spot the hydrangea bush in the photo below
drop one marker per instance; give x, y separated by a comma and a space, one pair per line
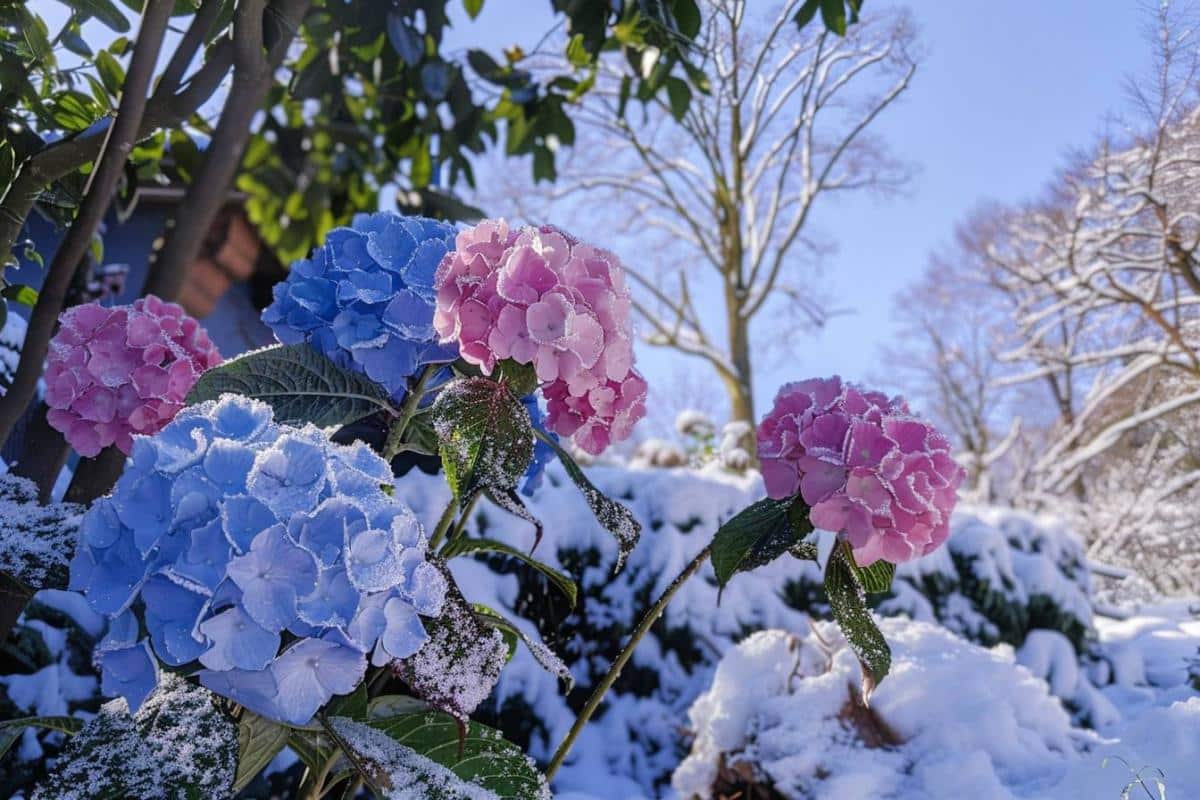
245, 552
115, 372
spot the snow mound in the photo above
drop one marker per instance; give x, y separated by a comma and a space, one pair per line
783, 712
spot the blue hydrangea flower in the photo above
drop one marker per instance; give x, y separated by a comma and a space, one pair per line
542, 452
365, 299
266, 528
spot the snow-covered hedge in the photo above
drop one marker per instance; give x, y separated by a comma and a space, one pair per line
783, 719
1004, 574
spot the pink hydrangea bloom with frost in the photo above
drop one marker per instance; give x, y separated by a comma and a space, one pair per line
869, 469
114, 372
539, 296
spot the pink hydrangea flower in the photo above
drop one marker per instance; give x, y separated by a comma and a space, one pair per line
114, 372
539, 296
867, 467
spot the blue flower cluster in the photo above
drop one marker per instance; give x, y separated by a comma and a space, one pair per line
366, 297
228, 536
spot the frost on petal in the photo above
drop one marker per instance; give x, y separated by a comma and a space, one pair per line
313, 671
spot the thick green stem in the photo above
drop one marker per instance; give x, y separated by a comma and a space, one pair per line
463, 519
395, 438
443, 525
610, 677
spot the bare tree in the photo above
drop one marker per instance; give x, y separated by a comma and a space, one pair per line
717, 200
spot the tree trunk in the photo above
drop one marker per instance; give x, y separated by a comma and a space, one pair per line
739, 386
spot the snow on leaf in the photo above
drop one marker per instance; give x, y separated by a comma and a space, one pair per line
178, 745
614, 517
758, 535
36, 541
456, 669
396, 771
482, 756
467, 545
547, 658
848, 601
485, 437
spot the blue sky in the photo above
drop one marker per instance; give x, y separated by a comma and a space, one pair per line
1005, 90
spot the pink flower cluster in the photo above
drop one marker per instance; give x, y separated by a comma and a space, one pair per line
539, 296
868, 468
114, 372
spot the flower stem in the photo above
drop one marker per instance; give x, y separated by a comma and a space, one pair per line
443, 525
619, 662
461, 525
412, 401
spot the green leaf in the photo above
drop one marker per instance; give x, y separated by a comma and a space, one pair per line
299, 383
849, 604
875, 579
103, 10
688, 18
466, 546
482, 756
20, 293
614, 517
473, 7
577, 52
259, 741
680, 97
67, 725
510, 501
543, 165
545, 657
807, 12
758, 535
485, 437
111, 73
833, 14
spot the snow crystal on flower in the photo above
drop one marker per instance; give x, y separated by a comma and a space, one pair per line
364, 299
230, 534
115, 372
36, 541
538, 296
869, 469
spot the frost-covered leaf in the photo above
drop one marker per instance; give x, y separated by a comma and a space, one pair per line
398, 770
36, 541
848, 601
482, 756
485, 437
300, 384
546, 657
259, 741
758, 535
466, 546
616, 518
457, 667
510, 501
178, 745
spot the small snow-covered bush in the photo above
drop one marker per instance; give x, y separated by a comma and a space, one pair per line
784, 715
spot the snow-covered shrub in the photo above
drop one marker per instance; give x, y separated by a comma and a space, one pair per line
658, 453
12, 336
783, 715
36, 541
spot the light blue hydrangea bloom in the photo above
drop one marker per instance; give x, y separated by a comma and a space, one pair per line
266, 528
365, 298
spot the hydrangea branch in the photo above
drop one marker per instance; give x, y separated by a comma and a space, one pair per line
118, 143
395, 438
614, 671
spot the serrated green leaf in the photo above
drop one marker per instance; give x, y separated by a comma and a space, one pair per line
833, 14
485, 758
473, 7
105, 11
299, 383
614, 517
849, 604
758, 535
466, 546
876, 578
485, 437
259, 741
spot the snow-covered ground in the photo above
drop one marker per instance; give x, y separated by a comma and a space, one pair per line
1005, 684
